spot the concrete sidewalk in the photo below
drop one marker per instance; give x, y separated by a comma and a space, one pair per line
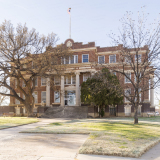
25, 146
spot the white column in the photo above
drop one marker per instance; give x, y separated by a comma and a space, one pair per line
152, 91
62, 91
77, 89
48, 92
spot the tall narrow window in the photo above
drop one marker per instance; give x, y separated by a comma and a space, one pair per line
127, 94
112, 59
35, 95
138, 57
85, 58
43, 96
23, 84
56, 97
43, 81
17, 101
127, 78
74, 59
56, 80
36, 82
101, 59
85, 77
67, 79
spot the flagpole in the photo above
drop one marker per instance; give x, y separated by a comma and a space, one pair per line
70, 28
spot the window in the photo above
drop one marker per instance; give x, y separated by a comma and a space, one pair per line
23, 84
36, 82
56, 80
56, 97
86, 76
70, 79
43, 96
24, 97
138, 57
17, 101
70, 60
128, 59
112, 59
127, 110
135, 78
35, 95
127, 78
139, 109
101, 59
43, 81
85, 58
127, 94
139, 91
74, 59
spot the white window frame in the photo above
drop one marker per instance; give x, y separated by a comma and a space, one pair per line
98, 59
139, 90
42, 78
125, 80
84, 76
128, 60
64, 59
41, 97
74, 59
35, 100
55, 96
71, 80
57, 81
24, 97
139, 59
115, 58
23, 84
126, 100
37, 82
17, 101
82, 58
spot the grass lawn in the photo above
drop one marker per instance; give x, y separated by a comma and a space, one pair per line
6, 122
112, 136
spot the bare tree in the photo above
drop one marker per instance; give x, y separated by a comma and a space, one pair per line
4, 100
25, 55
138, 49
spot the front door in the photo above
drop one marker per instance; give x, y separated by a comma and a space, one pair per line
112, 111
70, 98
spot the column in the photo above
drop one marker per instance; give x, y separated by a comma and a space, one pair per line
48, 92
152, 90
77, 89
62, 91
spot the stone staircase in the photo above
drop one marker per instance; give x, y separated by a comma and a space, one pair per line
66, 112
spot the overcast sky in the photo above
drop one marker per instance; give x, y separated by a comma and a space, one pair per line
92, 20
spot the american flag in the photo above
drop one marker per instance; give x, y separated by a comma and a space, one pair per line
69, 10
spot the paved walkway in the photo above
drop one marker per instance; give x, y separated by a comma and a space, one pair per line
24, 146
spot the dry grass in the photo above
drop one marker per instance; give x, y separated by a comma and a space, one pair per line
119, 137
7, 122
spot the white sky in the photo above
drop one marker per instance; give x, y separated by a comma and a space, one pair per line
92, 20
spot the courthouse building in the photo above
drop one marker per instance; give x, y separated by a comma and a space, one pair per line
79, 67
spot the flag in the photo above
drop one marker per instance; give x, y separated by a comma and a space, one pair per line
69, 10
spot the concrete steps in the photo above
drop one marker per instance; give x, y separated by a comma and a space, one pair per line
66, 112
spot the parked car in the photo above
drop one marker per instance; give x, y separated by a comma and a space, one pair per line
156, 113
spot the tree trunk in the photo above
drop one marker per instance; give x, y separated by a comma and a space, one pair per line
136, 114
29, 109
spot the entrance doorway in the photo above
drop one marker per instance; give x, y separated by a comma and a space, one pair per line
112, 111
70, 98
